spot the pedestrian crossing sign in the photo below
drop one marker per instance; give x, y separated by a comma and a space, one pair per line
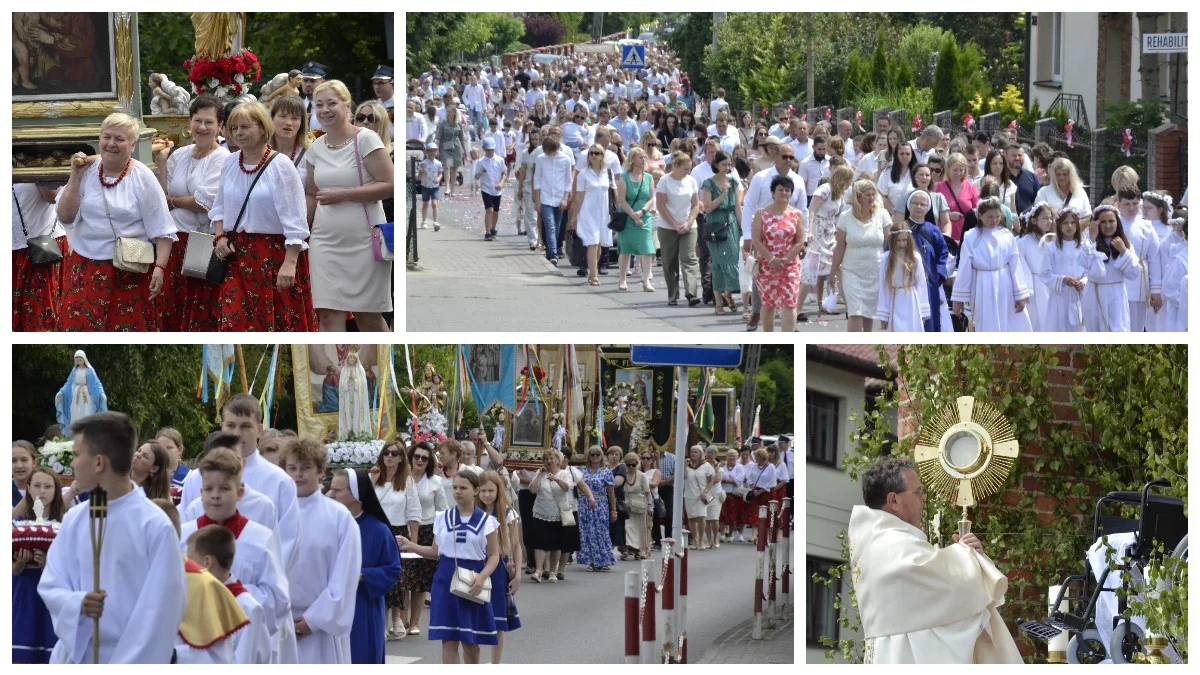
633, 56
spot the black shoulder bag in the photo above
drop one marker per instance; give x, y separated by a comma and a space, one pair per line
218, 268
43, 250
616, 217
713, 230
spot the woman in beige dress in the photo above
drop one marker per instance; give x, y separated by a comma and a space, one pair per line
343, 209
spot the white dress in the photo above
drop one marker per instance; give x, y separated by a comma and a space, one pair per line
354, 402
592, 221
82, 404
989, 280
1167, 241
1106, 300
1175, 290
1064, 305
904, 307
819, 259
1148, 280
860, 263
325, 581
345, 274
1033, 264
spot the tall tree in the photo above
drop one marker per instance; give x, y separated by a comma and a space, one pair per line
688, 41
945, 77
879, 62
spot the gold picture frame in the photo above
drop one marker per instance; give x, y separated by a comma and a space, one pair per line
122, 35
323, 426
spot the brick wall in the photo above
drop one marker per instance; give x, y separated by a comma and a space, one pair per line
1165, 170
1070, 361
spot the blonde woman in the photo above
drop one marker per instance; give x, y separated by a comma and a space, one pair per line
1065, 189
699, 480
635, 191
861, 232
823, 211
291, 135
546, 528
713, 512
116, 196
656, 163
372, 115
639, 504
267, 287
1124, 177
349, 173
589, 209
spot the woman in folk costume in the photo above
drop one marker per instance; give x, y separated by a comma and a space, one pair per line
930, 245
324, 580
468, 550
989, 277
81, 395
380, 563
921, 603
354, 398
1109, 262
1175, 276
1064, 275
36, 289
1038, 222
903, 293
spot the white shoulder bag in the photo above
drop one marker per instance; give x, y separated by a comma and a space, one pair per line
464, 579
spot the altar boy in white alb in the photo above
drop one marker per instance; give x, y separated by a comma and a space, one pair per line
920, 603
142, 581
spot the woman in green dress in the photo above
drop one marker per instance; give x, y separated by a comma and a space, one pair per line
635, 192
721, 201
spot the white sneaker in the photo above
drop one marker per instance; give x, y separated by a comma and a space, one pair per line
424, 226
436, 226
739, 538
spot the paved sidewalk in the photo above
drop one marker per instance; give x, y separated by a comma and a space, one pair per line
736, 646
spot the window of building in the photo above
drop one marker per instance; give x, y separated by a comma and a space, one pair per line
1056, 47
822, 613
822, 423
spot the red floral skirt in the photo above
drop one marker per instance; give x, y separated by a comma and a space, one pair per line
100, 297
249, 299
750, 511
36, 290
189, 304
731, 510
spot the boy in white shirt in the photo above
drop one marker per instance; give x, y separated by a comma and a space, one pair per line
491, 174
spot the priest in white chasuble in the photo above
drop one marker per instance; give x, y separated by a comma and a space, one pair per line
920, 603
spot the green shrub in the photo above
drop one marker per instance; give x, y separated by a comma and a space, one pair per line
945, 78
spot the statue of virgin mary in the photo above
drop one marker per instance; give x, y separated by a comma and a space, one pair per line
80, 396
354, 401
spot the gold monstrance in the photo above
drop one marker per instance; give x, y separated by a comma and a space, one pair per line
965, 452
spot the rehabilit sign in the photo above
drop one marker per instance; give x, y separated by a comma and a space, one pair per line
1164, 43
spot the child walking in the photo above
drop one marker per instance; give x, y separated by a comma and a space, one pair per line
431, 175
1037, 222
1064, 275
1109, 262
989, 277
903, 293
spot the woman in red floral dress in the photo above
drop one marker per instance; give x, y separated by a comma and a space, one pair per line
267, 287
778, 239
35, 288
115, 196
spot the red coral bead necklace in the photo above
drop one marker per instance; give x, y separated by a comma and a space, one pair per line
242, 154
124, 172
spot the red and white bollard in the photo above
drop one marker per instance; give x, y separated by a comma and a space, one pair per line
761, 537
632, 595
786, 529
683, 565
668, 600
649, 646
773, 533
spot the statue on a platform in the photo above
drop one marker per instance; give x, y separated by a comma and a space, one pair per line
167, 98
218, 33
283, 84
431, 393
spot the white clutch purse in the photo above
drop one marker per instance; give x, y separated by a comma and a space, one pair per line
197, 254
462, 581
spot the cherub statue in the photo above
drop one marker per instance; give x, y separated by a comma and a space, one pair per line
283, 84
167, 97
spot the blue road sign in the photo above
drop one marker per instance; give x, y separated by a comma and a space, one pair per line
698, 356
633, 56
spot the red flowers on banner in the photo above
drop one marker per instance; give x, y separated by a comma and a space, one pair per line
201, 72
538, 373
1070, 129
1127, 142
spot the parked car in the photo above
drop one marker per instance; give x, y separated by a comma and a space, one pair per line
648, 38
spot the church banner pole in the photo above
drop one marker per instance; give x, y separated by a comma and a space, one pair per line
756, 632
241, 362
771, 550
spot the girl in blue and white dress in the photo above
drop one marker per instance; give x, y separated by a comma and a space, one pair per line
463, 537
1064, 275
1109, 262
989, 277
493, 499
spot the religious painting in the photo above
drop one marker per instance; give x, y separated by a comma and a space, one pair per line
485, 363
63, 56
642, 380
529, 427
338, 387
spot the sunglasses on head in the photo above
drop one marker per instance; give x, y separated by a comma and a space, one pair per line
365, 118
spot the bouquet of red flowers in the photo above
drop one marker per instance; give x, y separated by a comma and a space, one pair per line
538, 373
228, 76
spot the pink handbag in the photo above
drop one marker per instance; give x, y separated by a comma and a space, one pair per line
378, 248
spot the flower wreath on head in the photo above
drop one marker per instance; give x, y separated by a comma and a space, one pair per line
1157, 196
1028, 213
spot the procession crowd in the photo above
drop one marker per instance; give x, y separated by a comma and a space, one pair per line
631, 169
261, 554
198, 242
